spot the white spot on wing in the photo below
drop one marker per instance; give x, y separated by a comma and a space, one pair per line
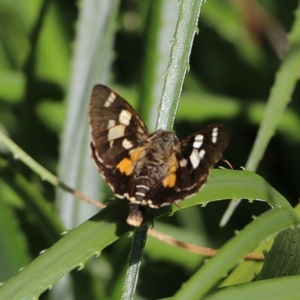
195, 158
127, 144
201, 153
198, 141
214, 136
111, 98
116, 132
125, 117
183, 162
111, 123
149, 203
164, 204
98, 157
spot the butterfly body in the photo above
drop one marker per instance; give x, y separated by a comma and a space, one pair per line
148, 169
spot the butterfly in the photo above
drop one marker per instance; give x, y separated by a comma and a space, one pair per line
148, 169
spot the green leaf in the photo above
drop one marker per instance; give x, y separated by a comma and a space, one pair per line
90, 238
13, 246
234, 250
283, 258
287, 288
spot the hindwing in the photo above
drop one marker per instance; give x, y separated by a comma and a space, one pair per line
196, 156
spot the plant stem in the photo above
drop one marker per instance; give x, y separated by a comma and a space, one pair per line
186, 28
137, 250
181, 45
19, 153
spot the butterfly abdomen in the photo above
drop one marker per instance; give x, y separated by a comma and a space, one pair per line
143, 185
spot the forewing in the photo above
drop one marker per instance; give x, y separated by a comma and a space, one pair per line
116, 131
198, 154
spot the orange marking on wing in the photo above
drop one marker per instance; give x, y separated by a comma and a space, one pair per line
173, 168
137, 153
125, 166
169, 180
173, 163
